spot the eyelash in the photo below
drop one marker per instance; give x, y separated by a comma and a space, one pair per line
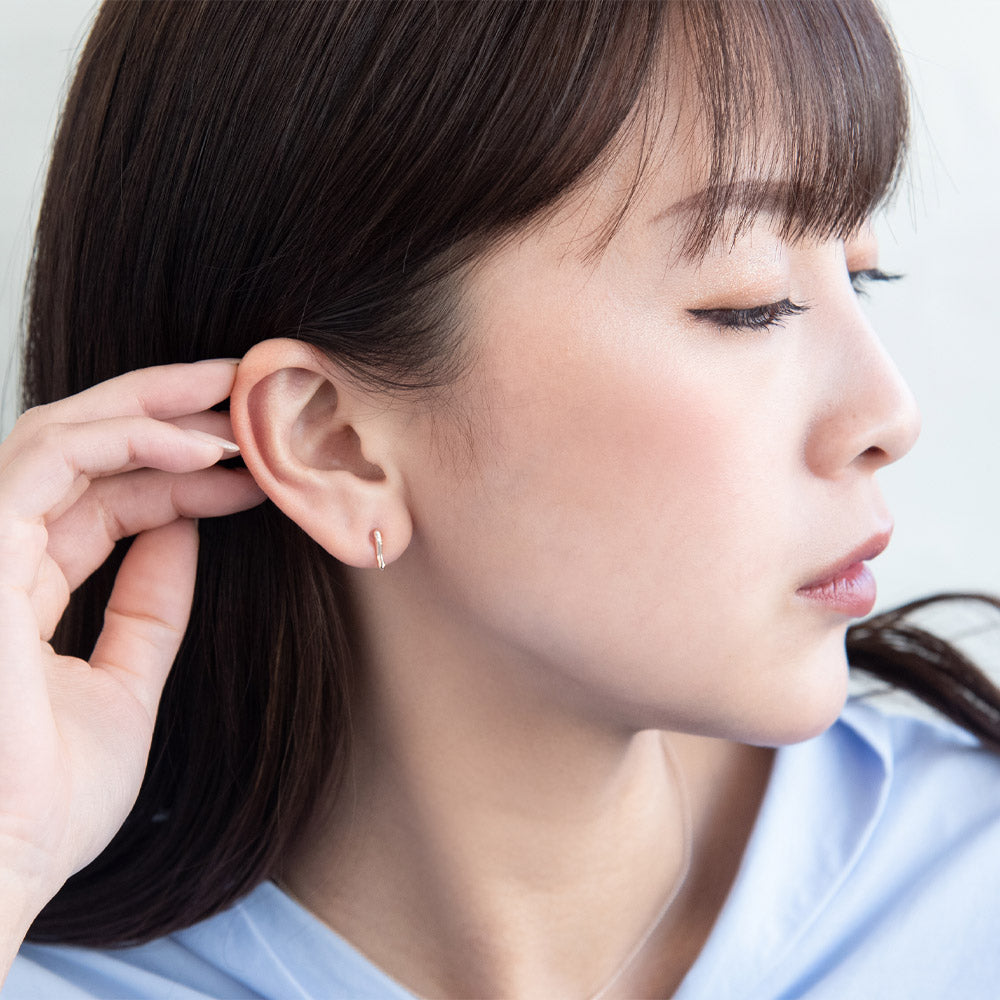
770, 316
860, 279
754, 318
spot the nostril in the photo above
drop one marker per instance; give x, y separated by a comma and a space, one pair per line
873, 458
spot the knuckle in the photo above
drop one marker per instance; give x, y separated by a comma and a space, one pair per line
28, 423
50, 437
35, 414
11, 537
113, 525
18, 540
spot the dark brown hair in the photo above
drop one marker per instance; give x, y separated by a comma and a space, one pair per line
229, 172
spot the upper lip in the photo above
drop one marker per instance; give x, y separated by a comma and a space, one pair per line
866, 550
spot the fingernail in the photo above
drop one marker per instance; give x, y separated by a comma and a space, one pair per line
229, 446
215, 361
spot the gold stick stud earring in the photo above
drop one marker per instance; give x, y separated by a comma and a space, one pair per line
379, 560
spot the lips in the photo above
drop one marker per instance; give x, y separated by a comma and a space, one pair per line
848, 586
875, 546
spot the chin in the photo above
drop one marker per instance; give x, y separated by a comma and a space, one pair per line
791, 705
778, 719
812, 698
806, 724
788, 697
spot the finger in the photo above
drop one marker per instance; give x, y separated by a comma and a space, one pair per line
23, 695
163, 392
148, 611
50, 473
209, 421
48, 597
83, 538
120, 506
171, 392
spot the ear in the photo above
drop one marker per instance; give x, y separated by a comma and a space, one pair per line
322, 449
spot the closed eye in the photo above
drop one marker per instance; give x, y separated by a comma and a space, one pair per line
752, 318
861, 279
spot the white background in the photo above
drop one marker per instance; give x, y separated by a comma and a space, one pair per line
941, 323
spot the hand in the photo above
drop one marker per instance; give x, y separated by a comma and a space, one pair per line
127, 457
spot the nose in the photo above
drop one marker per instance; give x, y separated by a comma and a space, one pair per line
868, 418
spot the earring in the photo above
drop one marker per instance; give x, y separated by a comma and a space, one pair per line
379, 560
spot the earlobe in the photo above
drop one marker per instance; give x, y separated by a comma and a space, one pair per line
322, 449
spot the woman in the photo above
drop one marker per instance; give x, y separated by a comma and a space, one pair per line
549, 310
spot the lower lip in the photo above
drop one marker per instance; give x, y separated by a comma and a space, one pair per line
852, 593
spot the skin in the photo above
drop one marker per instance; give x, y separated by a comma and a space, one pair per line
126, 457
604, 546
595, 555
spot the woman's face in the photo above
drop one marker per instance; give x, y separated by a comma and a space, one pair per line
659, 466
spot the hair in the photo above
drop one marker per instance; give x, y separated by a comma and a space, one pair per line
228, 172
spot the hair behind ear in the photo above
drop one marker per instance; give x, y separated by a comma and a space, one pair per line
225, 173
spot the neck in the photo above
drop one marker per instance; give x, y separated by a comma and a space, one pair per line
491, 845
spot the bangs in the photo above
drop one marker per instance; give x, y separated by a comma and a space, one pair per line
804, 107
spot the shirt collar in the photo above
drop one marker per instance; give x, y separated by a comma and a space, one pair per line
823, 801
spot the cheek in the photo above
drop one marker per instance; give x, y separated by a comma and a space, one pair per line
627, 523
645, 461
617, 487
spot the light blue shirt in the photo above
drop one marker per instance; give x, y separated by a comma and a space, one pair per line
873, 872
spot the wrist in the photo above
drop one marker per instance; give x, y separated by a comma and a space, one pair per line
20, 902
27, 883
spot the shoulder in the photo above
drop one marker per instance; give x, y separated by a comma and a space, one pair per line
166, 967
266, 945
161, 969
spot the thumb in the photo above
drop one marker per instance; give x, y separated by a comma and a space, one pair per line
148, 610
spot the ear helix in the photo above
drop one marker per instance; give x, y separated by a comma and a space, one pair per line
379, 558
